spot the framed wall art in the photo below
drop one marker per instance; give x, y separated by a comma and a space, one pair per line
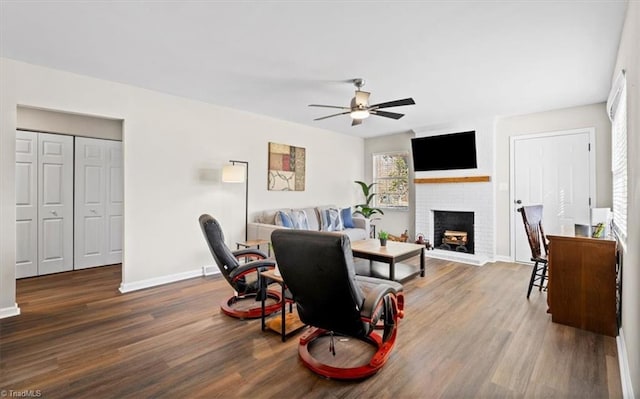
286, 167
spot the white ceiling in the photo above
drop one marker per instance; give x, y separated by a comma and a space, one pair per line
457, 59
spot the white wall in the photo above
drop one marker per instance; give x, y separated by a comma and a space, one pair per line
174, 149
563, 119
8, 112
629, 60
393, 221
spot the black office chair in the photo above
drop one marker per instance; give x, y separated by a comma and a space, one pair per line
532, 218
243, 277
317, 267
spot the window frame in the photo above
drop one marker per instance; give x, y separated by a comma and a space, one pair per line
376, 202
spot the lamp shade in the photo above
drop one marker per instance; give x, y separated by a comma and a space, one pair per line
233, 174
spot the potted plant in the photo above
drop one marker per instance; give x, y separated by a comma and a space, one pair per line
365, 209
383, 236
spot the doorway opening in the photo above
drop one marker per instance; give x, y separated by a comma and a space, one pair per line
69, 191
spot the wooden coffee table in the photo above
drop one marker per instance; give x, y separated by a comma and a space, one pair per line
390, 254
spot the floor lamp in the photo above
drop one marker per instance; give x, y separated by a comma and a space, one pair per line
239, 174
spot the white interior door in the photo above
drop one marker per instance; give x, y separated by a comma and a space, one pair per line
114, 202
99, 202
90, 206
26, 204
55, 199
556, 171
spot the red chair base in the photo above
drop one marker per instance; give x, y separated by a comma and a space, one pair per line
226, 306
351, 373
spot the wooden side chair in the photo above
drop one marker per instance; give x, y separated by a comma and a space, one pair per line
532, 218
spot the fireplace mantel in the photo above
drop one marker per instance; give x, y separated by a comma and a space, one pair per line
461, 179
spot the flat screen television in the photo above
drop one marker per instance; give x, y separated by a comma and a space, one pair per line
445, 152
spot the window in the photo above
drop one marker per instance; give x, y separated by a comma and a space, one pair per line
617, 110
391, 175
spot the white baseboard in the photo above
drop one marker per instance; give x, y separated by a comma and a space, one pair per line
476, 260
625, 373
10, 311
502, 258
152, 282
210, 270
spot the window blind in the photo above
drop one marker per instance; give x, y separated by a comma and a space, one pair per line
617, 110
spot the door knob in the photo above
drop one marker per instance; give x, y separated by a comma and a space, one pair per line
54, 213
92, 210
518, 202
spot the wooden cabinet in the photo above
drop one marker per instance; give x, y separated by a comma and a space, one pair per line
582, 283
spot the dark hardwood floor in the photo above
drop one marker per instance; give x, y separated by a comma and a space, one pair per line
468, 332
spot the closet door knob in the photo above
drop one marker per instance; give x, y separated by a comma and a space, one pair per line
54, 213
92, 211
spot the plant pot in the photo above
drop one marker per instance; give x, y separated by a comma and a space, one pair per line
383, 242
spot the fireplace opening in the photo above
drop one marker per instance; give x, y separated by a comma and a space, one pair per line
453, 231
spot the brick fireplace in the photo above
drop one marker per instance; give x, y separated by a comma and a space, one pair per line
465, 190
453, 231
475, 200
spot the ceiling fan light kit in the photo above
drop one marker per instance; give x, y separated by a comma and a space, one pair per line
359, 114
360, 108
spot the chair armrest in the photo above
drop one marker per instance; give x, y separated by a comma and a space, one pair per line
249, 251
383, 301
373, 302
362, 223
257, 265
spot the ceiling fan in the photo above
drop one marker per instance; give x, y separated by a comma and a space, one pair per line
360, 108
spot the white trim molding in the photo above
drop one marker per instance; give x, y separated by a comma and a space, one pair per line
152, 282
210, 270
10, 311
461, 257
503, 258
623, 362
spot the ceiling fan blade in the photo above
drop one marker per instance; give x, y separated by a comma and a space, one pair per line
356, 122
396, 103
386, 114
328, 106
331, 116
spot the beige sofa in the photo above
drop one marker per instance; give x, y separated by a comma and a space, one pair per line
266, 223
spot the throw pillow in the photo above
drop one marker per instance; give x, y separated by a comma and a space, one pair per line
283, 219
334, 221
347, 218
299, 219
324, 219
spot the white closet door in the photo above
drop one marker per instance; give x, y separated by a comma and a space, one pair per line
99, 207
55, 198
26, 204
90, 194
114, 202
